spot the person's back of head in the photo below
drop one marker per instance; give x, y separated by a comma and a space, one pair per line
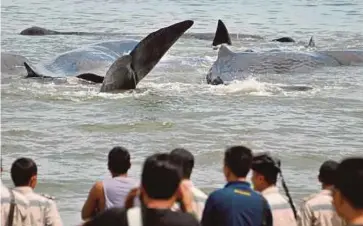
119, 161
348, 190
327, 172
24, 172
237, 162
160, 178
266, 168
184, 159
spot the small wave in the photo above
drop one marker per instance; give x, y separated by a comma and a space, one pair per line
249, 86
141, 126
72, 89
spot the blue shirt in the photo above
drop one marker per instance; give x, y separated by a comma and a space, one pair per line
236, 205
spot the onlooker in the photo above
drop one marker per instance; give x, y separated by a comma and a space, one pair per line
317, 209
348, 191
43, 210
185, 160
265, 170
237, 204
14, 206
160, 188
111, 192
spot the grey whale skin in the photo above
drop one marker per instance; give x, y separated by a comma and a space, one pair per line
231, 66
117, 71
40, 31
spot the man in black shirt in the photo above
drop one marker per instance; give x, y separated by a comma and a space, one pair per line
160, 189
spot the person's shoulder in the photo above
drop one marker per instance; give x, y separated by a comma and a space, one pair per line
216, 195
310, 198
98, 184
44, 198
19, 198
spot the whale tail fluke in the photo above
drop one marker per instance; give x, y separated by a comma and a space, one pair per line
127, 71
153, 47
222, 36
311, 42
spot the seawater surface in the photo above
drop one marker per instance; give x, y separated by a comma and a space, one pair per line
68, 127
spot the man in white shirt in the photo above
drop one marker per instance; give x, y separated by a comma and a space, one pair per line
185, 159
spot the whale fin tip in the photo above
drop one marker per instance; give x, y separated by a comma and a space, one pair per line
221, 36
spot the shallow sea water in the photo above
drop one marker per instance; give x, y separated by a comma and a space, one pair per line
68, 127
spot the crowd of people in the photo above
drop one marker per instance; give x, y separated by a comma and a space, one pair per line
166, 196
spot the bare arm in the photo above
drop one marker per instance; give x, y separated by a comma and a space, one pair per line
95, 201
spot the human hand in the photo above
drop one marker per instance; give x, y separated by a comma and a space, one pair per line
129, 201
185, 197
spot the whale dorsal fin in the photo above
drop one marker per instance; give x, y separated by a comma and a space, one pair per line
91, 77
222, 35
31, 72
311, 42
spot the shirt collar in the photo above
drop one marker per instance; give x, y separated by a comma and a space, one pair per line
270, 190
236, 183
24, 189
326, 192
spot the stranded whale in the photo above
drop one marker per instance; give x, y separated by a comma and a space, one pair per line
231, 66
40, 31
124, 71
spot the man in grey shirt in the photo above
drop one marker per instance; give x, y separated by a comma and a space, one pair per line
111, 192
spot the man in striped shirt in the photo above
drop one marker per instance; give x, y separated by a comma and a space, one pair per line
265, 170
317, 209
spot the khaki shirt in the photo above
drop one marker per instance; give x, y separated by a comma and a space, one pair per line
43, 210
318, 210
281, 210
21, 209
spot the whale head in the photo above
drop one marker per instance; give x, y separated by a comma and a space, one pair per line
37, 31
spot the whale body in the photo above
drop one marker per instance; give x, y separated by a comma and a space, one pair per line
118, 65
95, 58
40, 31
231, 65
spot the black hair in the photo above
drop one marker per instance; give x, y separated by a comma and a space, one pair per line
349, 180
160, 177
22, 170
110, 217
119, 160
238, 159
266, 165
184, 159
327, 172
